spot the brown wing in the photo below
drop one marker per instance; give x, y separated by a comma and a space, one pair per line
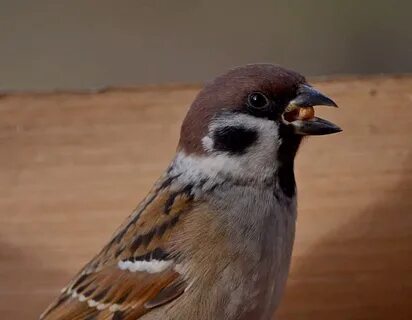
135, 272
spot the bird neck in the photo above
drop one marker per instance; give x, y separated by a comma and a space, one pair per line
215, 169
288, 148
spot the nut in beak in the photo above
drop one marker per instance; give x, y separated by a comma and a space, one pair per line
301, 115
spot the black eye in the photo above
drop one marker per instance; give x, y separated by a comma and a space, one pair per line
257, 100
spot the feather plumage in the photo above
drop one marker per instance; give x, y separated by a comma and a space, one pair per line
135, 271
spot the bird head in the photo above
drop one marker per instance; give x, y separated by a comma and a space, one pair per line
253, 118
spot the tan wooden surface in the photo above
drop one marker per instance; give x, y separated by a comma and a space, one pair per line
72, 166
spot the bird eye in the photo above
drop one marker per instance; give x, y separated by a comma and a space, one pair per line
257, 100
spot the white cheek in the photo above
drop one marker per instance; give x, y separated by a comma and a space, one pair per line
207, 143
262, 152
258, 162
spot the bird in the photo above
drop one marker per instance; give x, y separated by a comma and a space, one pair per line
213, 238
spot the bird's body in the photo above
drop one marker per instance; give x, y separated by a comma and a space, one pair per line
214, 237
261, 248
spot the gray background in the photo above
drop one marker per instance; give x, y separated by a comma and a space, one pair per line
81, 44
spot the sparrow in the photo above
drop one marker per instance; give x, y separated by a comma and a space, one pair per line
213, 239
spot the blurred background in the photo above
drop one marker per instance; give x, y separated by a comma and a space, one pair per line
77, 44
74, 163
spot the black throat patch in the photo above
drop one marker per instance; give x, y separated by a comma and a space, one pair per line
286, 158
234, 139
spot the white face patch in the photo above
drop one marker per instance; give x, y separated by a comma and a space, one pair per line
258, 162
207, 143
152, 266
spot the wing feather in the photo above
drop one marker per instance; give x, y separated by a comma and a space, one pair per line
135, 271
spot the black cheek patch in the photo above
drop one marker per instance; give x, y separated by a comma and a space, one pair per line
233, 139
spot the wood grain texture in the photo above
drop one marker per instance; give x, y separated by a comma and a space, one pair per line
72, 166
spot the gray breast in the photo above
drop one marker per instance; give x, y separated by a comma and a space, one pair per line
260, 230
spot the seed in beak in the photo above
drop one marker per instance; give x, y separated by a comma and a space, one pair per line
306, 113
302, 113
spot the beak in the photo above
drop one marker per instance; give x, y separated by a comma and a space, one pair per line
300, 114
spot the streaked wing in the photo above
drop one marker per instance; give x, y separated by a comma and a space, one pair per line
136, 270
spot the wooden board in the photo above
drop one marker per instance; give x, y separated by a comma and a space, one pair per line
73, 165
